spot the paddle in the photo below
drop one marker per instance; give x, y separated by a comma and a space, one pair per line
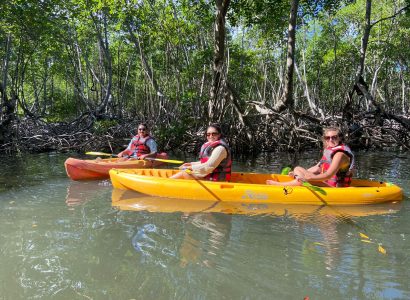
189, 172
171, 161
286, 170
100, 153
314, 187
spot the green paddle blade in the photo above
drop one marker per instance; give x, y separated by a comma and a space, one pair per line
314, 188
285, 171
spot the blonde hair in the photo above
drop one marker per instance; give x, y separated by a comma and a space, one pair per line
332, 128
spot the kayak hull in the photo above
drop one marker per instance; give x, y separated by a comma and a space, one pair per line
251, 188
91, 169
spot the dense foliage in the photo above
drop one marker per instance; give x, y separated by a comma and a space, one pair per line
94, 66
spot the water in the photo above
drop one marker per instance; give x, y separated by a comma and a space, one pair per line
61, 239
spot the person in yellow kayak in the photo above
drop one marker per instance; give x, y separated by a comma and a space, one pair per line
335, 169
214, 159
141, 146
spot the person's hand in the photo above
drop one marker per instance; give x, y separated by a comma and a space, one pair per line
291, 174
142, 157
119, 154
186, 166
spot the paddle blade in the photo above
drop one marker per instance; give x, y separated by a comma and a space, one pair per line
382, 250
99, 153
367, 241
362, 235
314, 188
285, 171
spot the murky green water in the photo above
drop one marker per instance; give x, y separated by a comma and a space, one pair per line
61, 239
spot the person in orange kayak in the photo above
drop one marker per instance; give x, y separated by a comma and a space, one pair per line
335, 168
214, 159
141, 146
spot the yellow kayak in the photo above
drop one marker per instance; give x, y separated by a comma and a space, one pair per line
251, 188
130, 200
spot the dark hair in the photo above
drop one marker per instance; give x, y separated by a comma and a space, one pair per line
143, 124
217, 127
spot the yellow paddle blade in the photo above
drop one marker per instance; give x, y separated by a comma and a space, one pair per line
367, 241
362, 235
382, 250
100, 153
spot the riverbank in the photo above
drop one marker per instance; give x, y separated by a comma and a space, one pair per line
84, 134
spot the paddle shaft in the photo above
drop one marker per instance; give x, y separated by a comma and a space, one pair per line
170, 161
100, 153
189, 172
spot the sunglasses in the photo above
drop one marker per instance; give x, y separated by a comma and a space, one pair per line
331, 137
141, 129
212, 133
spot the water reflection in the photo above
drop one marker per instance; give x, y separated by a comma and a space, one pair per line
321, 240
80, 192
215, 227
204, 236
206, 228
134, 201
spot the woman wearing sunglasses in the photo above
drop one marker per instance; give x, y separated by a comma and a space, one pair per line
214, 159
334, 169
141, 146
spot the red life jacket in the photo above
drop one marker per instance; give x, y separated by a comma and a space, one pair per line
343, 177
223, 171
139, 146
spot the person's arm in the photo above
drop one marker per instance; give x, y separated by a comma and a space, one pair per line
217, 156
338, 159
126, 150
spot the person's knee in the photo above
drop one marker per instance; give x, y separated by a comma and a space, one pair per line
298, 170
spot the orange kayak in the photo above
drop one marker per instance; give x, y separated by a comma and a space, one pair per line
88, 169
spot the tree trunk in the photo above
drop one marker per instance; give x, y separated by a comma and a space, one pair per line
360, 86
286, 100
106, 65
145, 65
3, 86
7, 106
219, 56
